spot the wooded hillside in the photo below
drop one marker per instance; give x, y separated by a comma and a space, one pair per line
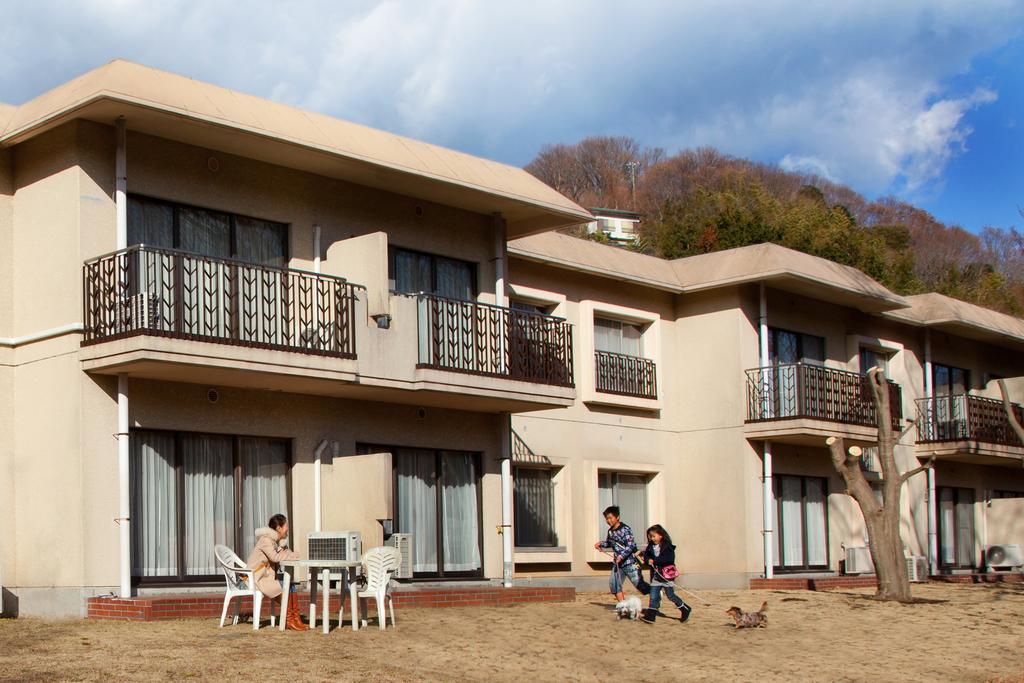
701, 200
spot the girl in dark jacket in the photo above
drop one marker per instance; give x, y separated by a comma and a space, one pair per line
660, 556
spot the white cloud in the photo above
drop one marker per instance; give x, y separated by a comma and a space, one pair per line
854, 90
806, 164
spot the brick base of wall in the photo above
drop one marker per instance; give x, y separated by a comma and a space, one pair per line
209, 605
823, 583
991, 577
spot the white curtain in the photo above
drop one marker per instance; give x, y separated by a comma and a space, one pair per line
264, 485
605, 496
534, 507
965, 528
792, 523
615, 336
417, 505
629, 492
817, 554
154, 511
461, 514
776, 525
947, 525
209, 500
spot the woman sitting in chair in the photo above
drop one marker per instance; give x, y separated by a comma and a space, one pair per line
269, 551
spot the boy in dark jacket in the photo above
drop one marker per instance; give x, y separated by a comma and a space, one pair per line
620, 540
660, 556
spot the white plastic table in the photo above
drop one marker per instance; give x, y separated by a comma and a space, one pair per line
323, 569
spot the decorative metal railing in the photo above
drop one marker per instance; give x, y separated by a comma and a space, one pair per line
625, 375
165, 292
963, 417
781, 392
483, 339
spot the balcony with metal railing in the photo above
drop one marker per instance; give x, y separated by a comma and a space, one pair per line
475, 338
801, 402
625, 375
966, 427
146, 306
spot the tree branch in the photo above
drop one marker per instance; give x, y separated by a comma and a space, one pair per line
911, 423
1010, 414
917, 470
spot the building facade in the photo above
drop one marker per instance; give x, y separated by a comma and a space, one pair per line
214, 308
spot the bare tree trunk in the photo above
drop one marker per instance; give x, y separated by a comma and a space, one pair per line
1010, 415
882, 520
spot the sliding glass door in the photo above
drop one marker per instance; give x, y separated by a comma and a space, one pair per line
801, 522
956, 527
437, 500
191, 492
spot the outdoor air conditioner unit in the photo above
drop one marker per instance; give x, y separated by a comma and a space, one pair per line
858, 561
404, 544
1007, 556
917, 568
138, 312
335, 545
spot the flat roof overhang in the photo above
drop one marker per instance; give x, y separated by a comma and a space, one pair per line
523, 216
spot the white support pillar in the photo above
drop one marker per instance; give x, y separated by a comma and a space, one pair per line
500, 278
121, 185
766, 494
933, 513
123, 446
508, 563
124, 500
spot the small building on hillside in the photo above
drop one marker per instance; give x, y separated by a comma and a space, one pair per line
620, 226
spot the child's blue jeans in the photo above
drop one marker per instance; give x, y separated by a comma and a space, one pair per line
630, 571
670, 593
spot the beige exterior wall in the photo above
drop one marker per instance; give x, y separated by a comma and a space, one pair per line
58, 464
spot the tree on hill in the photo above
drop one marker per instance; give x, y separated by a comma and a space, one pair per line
702, 200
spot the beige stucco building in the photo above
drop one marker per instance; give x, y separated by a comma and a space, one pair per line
214, 308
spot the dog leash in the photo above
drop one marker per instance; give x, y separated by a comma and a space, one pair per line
675, 585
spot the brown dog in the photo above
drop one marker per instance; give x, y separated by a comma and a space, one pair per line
743, 619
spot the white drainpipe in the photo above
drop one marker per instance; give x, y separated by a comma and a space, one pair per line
500, 276
124, 491
766, 493
316, 248
317, 504
933, 517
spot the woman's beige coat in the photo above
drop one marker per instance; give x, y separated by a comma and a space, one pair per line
264, 559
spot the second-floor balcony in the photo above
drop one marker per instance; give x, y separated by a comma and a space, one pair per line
169, 293
817, 394
962, 422
482, 339
625, 375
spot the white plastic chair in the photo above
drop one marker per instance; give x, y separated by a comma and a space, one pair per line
379, 564
241, 582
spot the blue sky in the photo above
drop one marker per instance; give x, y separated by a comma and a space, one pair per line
919, 98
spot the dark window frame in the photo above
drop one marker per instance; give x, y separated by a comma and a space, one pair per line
393, 251
176, 206
553, 470
183, 578
440, 574
773, 345
778, 567
949, 384
957, 490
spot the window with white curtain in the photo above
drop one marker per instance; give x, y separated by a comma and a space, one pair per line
617, 336
629, 492
956, 527
414, 272
534, 498
437, 500
219, 234
184, 499
801, 522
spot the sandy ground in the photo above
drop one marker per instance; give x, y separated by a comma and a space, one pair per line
957, 633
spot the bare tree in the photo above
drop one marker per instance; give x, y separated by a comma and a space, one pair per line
882, 519
1010, 414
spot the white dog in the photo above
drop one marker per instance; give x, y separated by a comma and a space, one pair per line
629, 608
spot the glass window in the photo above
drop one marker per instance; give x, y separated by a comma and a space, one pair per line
413, 272
616, 336
956, 527
785, 347
949, 381
216, 234
535, 507
629, 492
801, 537
872, 358
201, 473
